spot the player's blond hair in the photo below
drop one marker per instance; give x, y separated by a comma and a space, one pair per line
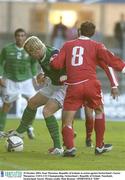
32, 44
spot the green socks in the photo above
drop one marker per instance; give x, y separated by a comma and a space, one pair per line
3, 116
53, 128
27, 120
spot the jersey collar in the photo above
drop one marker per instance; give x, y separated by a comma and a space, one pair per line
19, 48
84, 38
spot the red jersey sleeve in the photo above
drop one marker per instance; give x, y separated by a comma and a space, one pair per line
110, 73
58, 61
109, 58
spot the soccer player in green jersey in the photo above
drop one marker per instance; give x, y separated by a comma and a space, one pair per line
51, 95
17, 70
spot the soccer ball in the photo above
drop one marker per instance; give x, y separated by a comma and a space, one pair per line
14, 143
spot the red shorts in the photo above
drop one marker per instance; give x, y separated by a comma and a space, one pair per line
87, 93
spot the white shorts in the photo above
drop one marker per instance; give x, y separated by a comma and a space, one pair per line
54, 92
12, 90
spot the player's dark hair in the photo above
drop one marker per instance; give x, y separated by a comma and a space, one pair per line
18, 31
87, 29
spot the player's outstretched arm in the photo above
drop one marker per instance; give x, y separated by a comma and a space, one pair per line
110, 59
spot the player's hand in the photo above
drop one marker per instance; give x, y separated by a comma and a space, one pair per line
63, 79
40, 79
115, 93
2, 82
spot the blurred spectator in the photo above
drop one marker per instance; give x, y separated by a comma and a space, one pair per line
59, 34
119, 31
72, 33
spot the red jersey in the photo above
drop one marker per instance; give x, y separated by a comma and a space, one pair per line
80, 58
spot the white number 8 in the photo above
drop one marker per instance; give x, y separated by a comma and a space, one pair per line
77, 56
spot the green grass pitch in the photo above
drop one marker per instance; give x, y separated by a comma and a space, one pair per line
35, 155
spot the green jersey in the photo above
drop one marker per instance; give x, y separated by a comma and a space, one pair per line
16, 64
53, 74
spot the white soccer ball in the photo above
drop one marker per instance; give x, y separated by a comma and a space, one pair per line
14, 143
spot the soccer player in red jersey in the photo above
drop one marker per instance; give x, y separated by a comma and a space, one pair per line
80, 57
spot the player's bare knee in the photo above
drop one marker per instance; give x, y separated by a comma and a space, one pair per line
6, 107
99, 114
46, 112
31, 104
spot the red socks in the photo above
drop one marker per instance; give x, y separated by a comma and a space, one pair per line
89, 123
68, 132
68, 137
99, 130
